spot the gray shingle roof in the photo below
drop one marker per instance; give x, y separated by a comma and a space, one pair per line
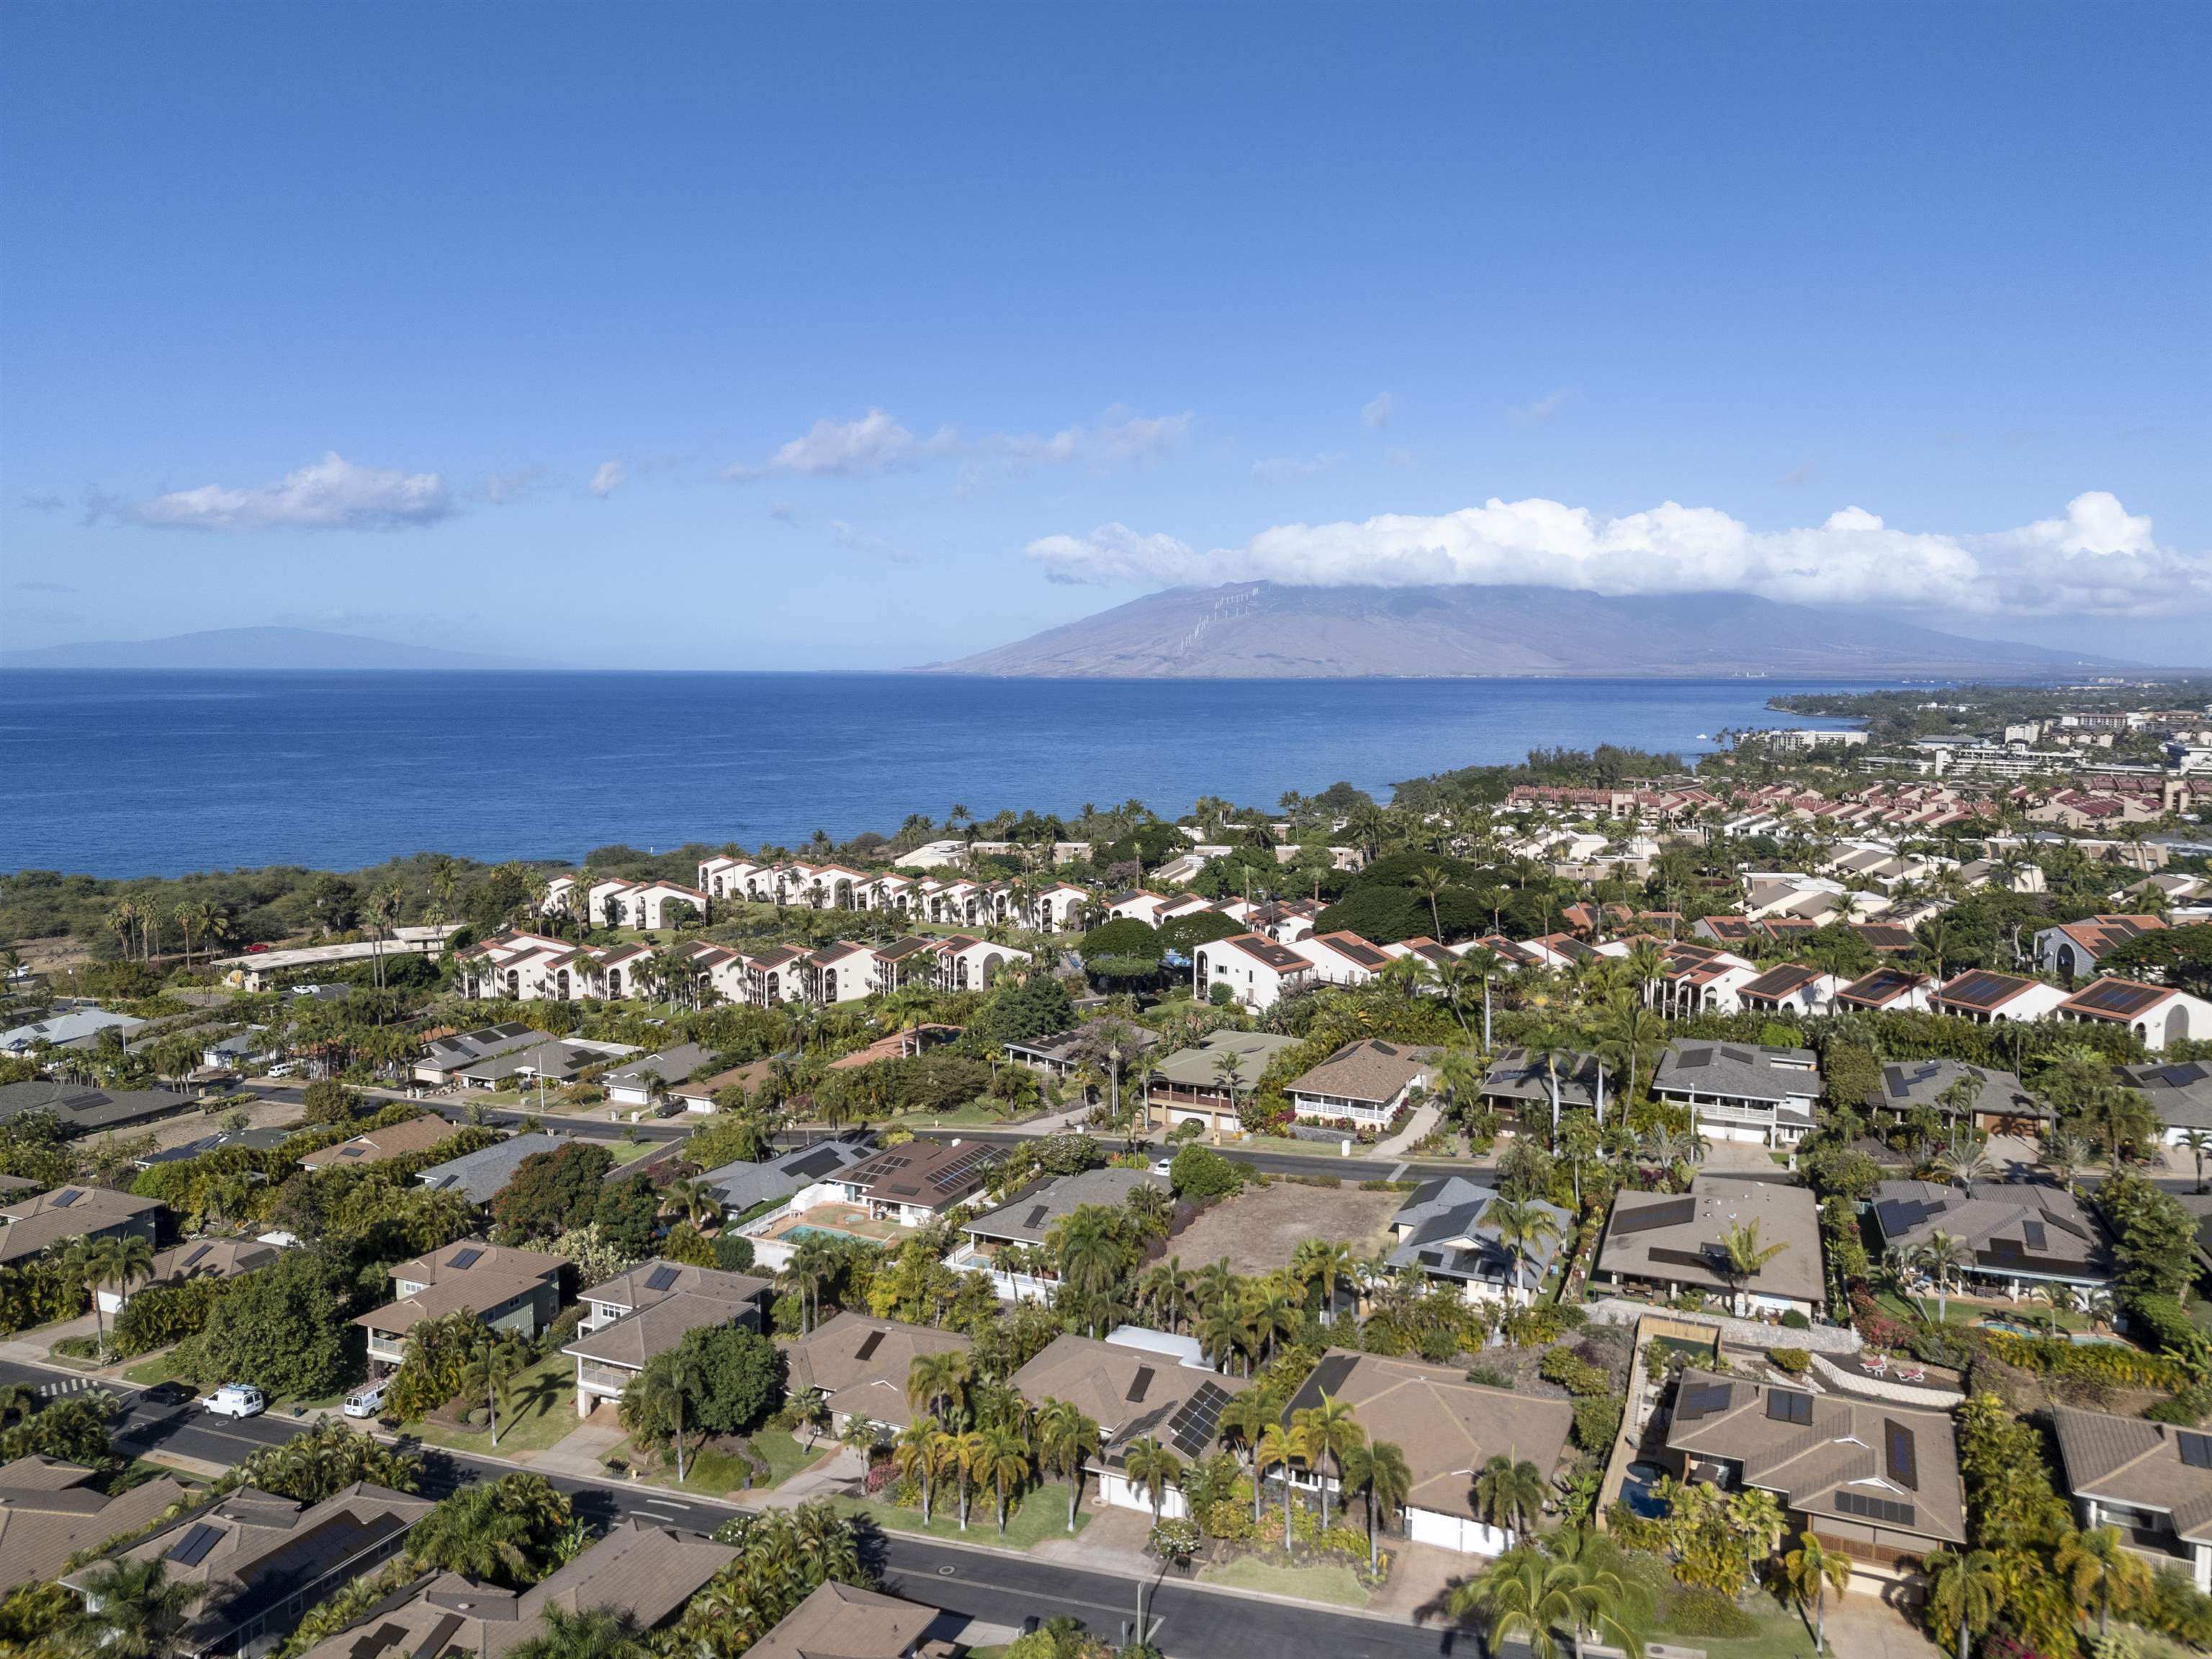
1031, 1213
479, 1174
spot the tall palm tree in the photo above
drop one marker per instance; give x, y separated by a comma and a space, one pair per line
132, 1611
1379, 1474
936, 1383
491, 1370
969, 1456
1964, 1589
1533, 1596
121, 1260
1510, 1495
2100, 1570
2199, 1142
1004, 1464
1242, 1421
1431, 883
1522, 1225
1327, 1260
1277, 1447
1067, 1441
1941, 1257
1329, 1430
1164, 1292
1222, 1331
1552, 1042
1153, 1469
914, 1454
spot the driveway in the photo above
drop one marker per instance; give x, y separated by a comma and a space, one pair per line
1867, 1624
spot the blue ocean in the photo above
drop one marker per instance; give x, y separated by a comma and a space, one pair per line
161, 773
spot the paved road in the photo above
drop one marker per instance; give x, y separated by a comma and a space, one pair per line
1188, 1621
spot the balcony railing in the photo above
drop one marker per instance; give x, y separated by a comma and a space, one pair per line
591, 1373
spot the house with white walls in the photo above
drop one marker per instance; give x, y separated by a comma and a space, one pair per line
1255, 969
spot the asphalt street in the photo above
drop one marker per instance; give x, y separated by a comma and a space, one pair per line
1188, 1621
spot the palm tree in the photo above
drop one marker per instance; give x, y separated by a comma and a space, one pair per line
1380, 1475
1756, 1515
1003, 1463
121, 1259
1511, 1496
813, 1261
697, 1201
1164, 1291
2064, 1155
1522, 1225
810, 1409
1269, 1315
1229, 1073
1329, 1261
936, 1383
1552, 1042
968, 1456
1221, 1332
914, 1454
1432, 884
589, 1633
1534, 1596
1067, 1441
1747, 1256
1964, 1589
492, 1368
132, 1611
1330, 1431
1153, 1468
2099, 1568
1277, 1447
2199, 1142
1941, 1257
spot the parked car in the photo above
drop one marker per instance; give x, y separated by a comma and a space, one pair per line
368, 1400
237, 1399
165, 1395
255, 949
1162, 1167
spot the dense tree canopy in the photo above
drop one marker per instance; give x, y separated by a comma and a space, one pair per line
551, 1191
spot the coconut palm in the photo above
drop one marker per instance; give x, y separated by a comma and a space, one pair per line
1329, 1430
914, 1454
2064, 1154
1965, 1588
1277, 1448
1510, 1495
1222, 1332
491, 1370
1811, 1571
588, 1633
1521, 1225
968, 1456
1163, 1291
121, 1260
2100, 1570
1003, 1465
132, 1610
1330, 1261
1380, 1475
1152, 1468
937, 1383
2198, 1142
1941, 1257
1533, 1596
1067, 1441
1552, 1042
1746, 1256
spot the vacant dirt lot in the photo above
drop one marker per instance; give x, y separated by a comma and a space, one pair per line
1258, 1229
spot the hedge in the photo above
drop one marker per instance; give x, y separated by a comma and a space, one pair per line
2101, 1362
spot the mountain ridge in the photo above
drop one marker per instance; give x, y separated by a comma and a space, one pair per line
1268, 630
248, 648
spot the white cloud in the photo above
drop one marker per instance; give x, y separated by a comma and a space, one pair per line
1281, 468
846, 449
1375, 411
1543, 409
1121, 438
501, 488
2096, 558
333, 494
609, 479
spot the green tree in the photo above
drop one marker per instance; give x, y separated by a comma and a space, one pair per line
1964, 1590
1066, 1442
283, 1328
1510, 1495
1152, 1469
508, 1532
133, 1610
588, 1633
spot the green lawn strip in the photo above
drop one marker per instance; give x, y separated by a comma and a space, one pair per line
1042, 1515
1782, 1635
629, 1151
786, 1454
1331, 1581
155, 1368
544, 1397
2031, 1315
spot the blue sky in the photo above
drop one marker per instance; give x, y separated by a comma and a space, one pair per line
845, 336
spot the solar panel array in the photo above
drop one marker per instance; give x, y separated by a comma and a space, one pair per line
1788, 1406
818, 1161
1193, 1428
662, 1278
464, 1259
1900, 1455
1703, 1400
190, 1550
2118, 997
198, 1251
2196, 1449
1673, 1214
1874, 1508
63, 1200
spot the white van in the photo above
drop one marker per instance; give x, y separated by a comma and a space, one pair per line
368, 1399
237, 1399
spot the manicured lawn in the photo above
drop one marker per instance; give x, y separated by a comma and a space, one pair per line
2031, 1313
629, 1151
1330, 1581
1782, 1635
544, 1400
155, 1368
1042, 1515
787, 1455
713, 1472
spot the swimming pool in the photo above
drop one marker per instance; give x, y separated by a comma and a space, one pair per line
1635, 1488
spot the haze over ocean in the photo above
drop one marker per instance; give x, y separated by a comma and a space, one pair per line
163, 773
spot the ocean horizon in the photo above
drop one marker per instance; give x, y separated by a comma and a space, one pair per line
119, 773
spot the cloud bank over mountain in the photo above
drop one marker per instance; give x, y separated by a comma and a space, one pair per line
2095, 558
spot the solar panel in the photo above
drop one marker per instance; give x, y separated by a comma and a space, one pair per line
351, 1151
464, 1259
1193, 1428
1873, 1509
1036, 1215
1788, 1406
1702, 1399
820, 1160
2115, 996
1140, 1385
661, 1277
197, 1252
1644, 1217
2037, 1237
62, 1201
1897, 1216
1900, 1455
867, 1348
193, 1547
2196, 1449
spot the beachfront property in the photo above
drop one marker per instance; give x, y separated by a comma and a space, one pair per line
32, 1225
1255, 969
647, 1311
2159, 1015
257, 1562
1876, 1481
1196, 1084
1448, 1229
1448, 1428
1137, 1384
1662, 1244
861, 1365
1362, 1086
1741, 1091
2016, 1234
506, 1289
2152, 1481
1996, 1100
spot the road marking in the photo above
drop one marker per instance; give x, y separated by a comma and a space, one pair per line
1399, 1174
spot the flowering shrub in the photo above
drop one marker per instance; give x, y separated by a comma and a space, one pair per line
880, 1474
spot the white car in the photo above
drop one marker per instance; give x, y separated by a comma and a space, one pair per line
1163, 1167
237, 1399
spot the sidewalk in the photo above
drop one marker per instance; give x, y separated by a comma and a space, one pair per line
1416, 1128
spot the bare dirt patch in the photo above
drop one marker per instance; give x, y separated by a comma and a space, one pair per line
1259, 1227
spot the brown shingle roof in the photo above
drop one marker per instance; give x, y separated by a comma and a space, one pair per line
1370, 1070
2131, 1460
840, 1622
864, 1378
47, 1513
417, 1134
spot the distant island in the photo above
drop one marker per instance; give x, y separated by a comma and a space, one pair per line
236, 648
1267, 631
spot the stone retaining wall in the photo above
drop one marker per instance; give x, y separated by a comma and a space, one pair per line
1744, 1333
